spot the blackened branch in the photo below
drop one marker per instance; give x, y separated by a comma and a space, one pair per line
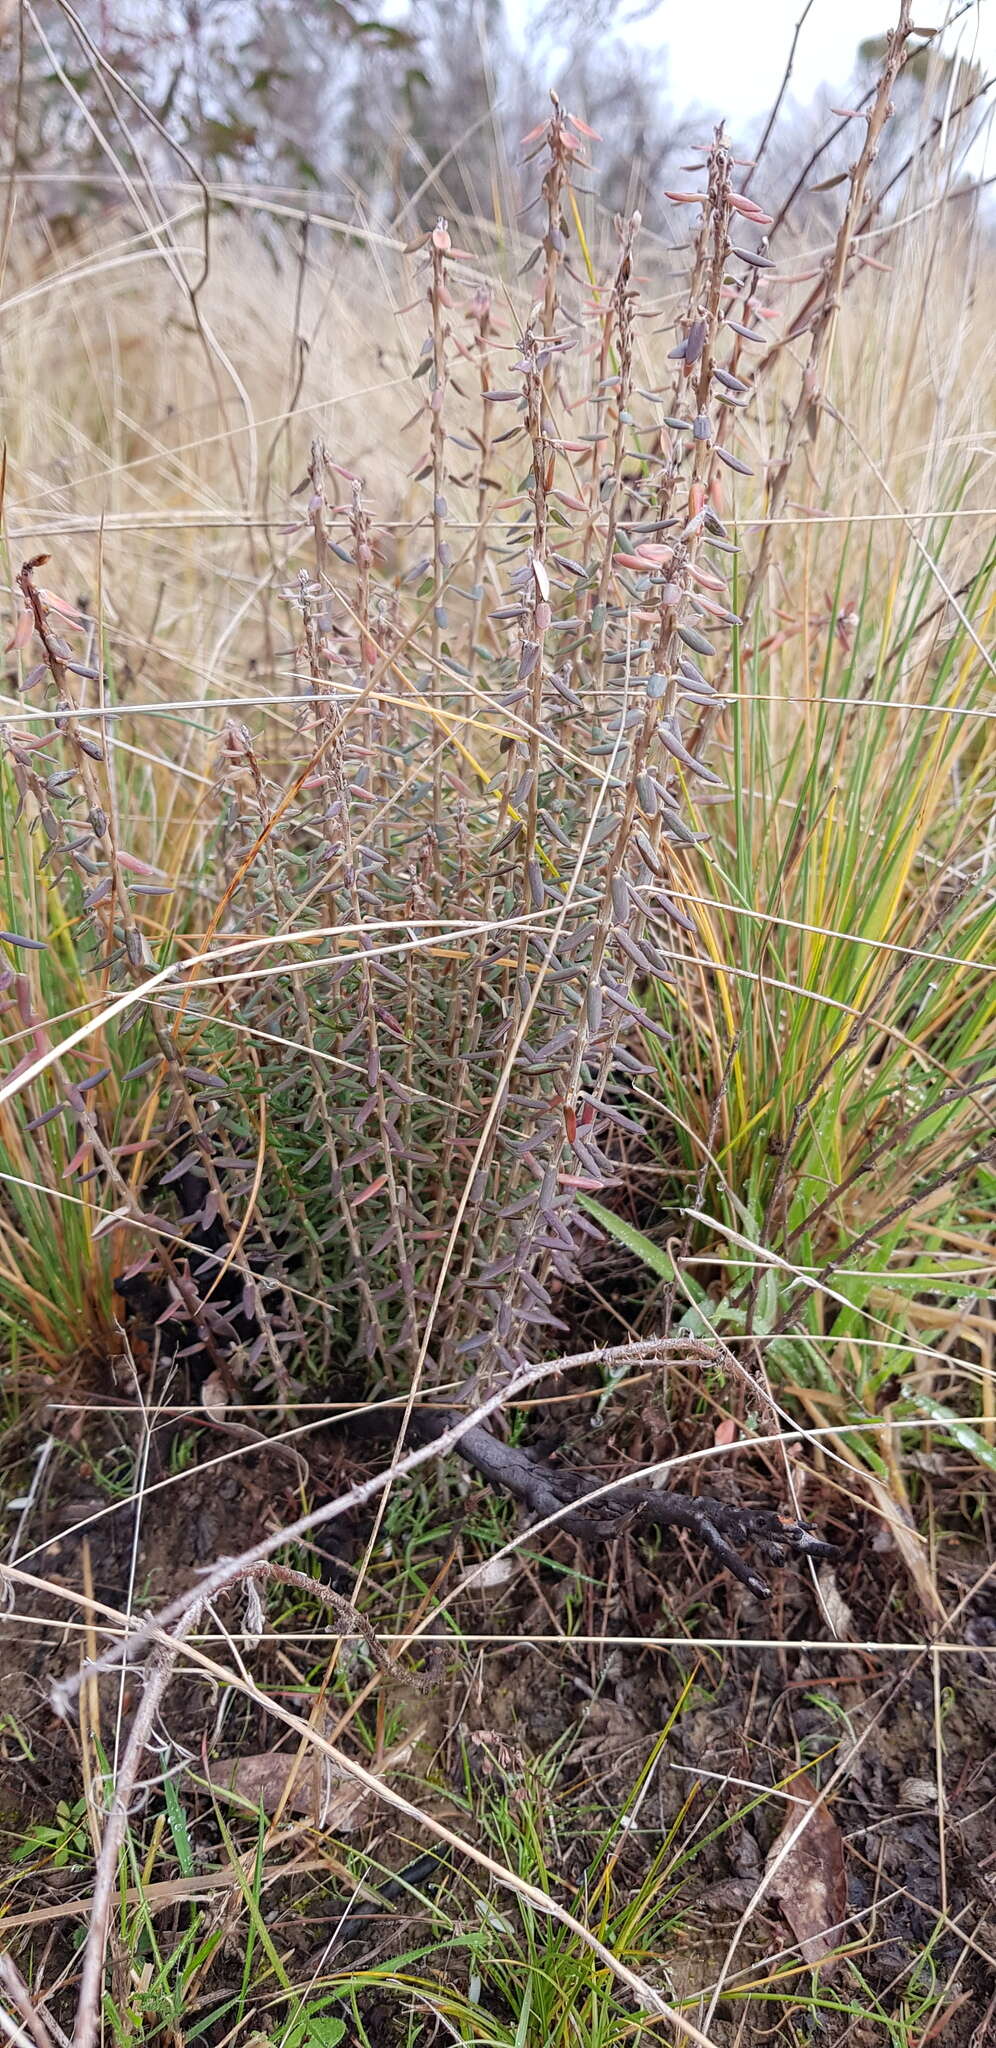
724, 1530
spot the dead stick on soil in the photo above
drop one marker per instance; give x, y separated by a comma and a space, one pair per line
157, 1674
648, 1999
169, 1648
14, 1988
223, 1573
14, 2032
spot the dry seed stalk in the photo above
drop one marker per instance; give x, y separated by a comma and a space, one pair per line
646, 780
438, 296
805, 415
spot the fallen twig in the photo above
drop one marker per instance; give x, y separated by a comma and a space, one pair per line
722, 1529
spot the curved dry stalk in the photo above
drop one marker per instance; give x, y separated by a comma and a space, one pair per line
806, 412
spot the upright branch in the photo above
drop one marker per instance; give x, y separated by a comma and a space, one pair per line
535, 590
482, 317
561, 137
439, 298
596, 845
617, 330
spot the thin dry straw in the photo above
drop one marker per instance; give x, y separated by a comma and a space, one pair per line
169, 521
251, 199
273, 700
393, 1799
140, 995
443, 933
731, 1339
357, 1496
828, 1646
388, 1796
253, 426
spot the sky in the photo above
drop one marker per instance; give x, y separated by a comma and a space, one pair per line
732, 53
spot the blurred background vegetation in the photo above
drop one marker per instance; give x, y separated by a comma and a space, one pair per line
365, 106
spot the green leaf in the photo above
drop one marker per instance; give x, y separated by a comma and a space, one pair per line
315, 2028
766, 1308
653, 1255
178, 1828
955, 1428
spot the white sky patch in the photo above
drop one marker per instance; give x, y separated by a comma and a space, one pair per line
731, 54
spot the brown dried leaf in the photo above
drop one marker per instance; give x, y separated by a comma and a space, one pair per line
214, 1395
55, 603
898, 1524
583, 129
810, 1885
318, 1786
835, 1606
22, 632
